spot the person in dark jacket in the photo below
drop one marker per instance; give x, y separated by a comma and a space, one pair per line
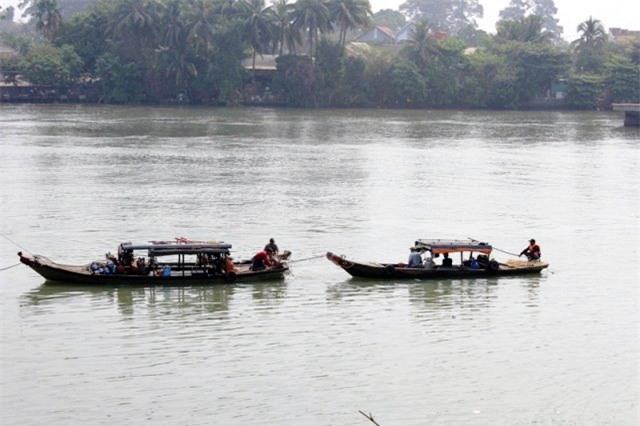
272, 247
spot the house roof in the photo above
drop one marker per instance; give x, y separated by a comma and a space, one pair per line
406, 27
623, 32
388, 31
384, 30
263, 62
7, 52
439, 35
621, 35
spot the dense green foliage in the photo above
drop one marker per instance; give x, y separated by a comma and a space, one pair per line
389, 18
47, 65
446, 15
545, 10
173, 50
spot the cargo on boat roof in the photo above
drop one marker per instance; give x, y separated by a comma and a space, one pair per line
453, 246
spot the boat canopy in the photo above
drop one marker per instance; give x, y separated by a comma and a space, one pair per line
170, 248
453, 246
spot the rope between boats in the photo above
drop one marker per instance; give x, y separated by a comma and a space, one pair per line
506, 252
495, 248
9, 267
307, 258
10, 240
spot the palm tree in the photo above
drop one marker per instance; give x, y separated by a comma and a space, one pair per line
350, 14
177, 61
258, 27
172, 24
281, 11
422, 46
226, 8
200, 25
48, 17
593, 35
589, 48
527, 29
134, 22
313, 17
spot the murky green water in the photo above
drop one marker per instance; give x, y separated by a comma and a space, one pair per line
556, 349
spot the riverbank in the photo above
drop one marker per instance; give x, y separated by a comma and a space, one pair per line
91, 94
48, 94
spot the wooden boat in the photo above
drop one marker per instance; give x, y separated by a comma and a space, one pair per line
480, 266
177, 263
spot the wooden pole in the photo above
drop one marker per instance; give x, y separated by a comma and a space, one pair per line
370, 417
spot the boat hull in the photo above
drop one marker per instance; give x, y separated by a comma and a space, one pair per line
81, 275
396, 271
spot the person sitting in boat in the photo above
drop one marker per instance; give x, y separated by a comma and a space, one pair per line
533, 251
229, 266
261, 260
474, 264
272, 246
141, 266
201, 259
111, 258
415, 260
428, 263
447, 262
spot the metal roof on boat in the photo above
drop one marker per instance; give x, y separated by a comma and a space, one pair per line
452, 246
168, 248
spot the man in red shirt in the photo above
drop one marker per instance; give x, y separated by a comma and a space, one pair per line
261, 260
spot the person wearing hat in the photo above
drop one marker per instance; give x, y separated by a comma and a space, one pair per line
532, 251
415, 260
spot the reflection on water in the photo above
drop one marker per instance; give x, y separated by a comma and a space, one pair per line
272, 293
168, 299
49, 293
423, 294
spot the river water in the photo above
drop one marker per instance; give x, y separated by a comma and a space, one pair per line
314, 349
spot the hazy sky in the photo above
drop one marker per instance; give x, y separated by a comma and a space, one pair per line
612, 13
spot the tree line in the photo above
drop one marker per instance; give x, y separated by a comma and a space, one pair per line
156, 50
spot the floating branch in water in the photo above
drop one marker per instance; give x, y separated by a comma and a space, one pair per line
370, 417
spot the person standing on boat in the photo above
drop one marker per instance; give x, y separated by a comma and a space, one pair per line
261, 260
533, 251
415, 260
447, 262
272, 247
